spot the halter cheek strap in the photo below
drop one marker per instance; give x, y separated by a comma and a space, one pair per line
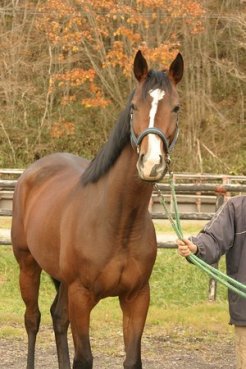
136, 140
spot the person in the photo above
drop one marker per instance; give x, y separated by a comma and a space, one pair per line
225, 234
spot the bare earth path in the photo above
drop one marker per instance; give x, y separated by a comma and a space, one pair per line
158, 353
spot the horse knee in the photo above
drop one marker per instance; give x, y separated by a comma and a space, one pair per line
60, 321
32, 322
60, 325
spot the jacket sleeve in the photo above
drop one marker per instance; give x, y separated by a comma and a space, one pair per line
217, 236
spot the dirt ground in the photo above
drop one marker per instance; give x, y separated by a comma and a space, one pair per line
157, 353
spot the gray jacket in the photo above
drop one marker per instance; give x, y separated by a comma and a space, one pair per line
226, 234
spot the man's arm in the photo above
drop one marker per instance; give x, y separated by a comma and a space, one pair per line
215, 239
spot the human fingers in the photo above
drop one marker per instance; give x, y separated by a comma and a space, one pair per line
180, 243
184, 251
192, 247
183, 248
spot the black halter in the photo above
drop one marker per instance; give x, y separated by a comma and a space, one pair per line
136, 140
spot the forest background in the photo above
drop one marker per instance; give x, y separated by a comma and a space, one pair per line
66, 72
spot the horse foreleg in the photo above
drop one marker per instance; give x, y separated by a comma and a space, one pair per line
29, 285
59, 313
134, 310
80, 302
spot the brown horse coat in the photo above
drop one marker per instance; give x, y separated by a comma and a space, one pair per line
88, 225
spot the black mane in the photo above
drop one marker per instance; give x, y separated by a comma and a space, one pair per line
109, 153
120, 135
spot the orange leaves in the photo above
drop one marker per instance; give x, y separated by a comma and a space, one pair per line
63, 8
163, 54
61, 22
77, 78
151, 3
62, 128
128, 34
95, 41
73, 78
117, 57
189, 8
190, 11
97, 100
66, 100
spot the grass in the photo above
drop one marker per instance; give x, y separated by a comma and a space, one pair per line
179, 303
188, 227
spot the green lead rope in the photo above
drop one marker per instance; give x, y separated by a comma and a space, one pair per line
221, 277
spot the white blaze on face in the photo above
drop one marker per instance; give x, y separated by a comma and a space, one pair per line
154, 142
156, 95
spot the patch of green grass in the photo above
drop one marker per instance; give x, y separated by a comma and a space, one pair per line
174, 281
188, 227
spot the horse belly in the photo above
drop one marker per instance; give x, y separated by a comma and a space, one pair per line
44, 245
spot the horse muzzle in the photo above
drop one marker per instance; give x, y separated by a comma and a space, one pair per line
152, 170
153, 164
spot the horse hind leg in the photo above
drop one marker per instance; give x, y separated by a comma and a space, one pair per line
59, 315
29, 280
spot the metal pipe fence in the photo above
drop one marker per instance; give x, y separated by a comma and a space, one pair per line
198, 197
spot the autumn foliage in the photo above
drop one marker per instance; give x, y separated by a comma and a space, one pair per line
102, 37
66, 72
95, 41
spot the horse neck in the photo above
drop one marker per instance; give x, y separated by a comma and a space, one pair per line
125, 187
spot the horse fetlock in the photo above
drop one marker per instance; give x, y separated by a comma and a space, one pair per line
83, 364
133, 364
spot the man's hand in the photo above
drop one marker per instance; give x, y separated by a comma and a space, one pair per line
186, 247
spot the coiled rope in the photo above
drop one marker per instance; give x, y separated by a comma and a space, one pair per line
219, 276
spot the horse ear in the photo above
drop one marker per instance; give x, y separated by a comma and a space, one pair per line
140, 66
176, 69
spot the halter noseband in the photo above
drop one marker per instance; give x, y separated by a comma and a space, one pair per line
136, 140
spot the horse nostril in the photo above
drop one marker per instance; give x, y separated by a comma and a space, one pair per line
161, 159
141, 160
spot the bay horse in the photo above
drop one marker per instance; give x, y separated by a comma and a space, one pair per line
87, 223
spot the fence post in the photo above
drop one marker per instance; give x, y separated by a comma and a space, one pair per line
212, 287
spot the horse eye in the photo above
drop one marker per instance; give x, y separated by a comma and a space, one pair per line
133, 106
176, 109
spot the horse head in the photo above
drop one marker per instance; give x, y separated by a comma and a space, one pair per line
154, 116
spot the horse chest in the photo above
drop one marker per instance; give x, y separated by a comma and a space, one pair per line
122, 276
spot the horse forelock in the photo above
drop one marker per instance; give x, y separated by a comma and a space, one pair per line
156, 79
112, 149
